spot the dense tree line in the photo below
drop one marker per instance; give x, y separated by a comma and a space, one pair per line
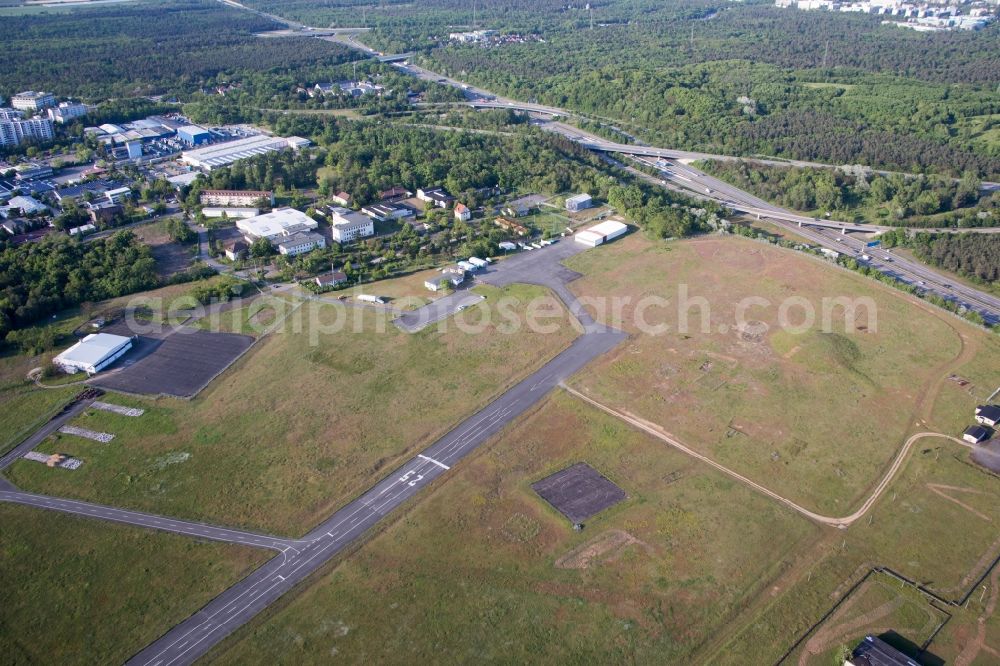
863, 195
39, 279
258, 92
975, 256
365, 158
134, 49
660, 34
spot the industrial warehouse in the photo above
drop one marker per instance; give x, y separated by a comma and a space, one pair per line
222, 154
94, 353
601, 233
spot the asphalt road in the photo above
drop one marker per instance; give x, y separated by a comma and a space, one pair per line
150, 521
436, 311
908, 271
239, 604
39, 435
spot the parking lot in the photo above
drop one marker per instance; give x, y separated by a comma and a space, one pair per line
175, 363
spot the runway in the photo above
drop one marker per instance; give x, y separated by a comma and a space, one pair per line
239, 604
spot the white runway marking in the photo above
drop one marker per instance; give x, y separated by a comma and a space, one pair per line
439, 464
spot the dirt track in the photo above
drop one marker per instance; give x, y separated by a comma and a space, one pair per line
838, 522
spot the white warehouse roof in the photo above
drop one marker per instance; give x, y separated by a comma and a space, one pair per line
221, 154
93, 353
279, 222
609, 228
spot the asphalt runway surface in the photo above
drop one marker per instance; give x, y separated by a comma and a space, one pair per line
579, 492
239, 604
439, 310
39, 435
148, 520
191, 639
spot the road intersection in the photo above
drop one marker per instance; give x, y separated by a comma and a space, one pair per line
298, 558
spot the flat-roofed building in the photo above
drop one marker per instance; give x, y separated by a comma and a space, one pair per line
383, 212
347, 226
436, 196
223, 154
193, 135
16, 130
277, 223
67, 111
601, 233
94, 353
32, 100
300, 243
579, 202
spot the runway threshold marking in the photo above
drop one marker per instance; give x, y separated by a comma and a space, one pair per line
436, 462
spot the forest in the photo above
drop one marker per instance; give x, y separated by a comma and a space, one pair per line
662, 34
975, 256
861, 195
364, 158
39, 279
132, 49
753, 79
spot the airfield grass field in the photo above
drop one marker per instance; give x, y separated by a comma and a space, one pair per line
935, 526
483, 570
71, 583
293, 430
692, 566
814, 412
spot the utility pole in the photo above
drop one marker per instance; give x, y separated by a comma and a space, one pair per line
591, 18
692, 38
473, 14
826, 53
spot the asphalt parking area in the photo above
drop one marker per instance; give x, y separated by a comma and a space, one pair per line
178, 364
579, 492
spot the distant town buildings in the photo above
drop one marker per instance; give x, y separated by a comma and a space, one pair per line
67, 112
348, 88
487, 38
31, 100
915, 14
14, 129
473, 36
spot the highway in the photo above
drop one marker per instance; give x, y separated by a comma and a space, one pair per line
831, 236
